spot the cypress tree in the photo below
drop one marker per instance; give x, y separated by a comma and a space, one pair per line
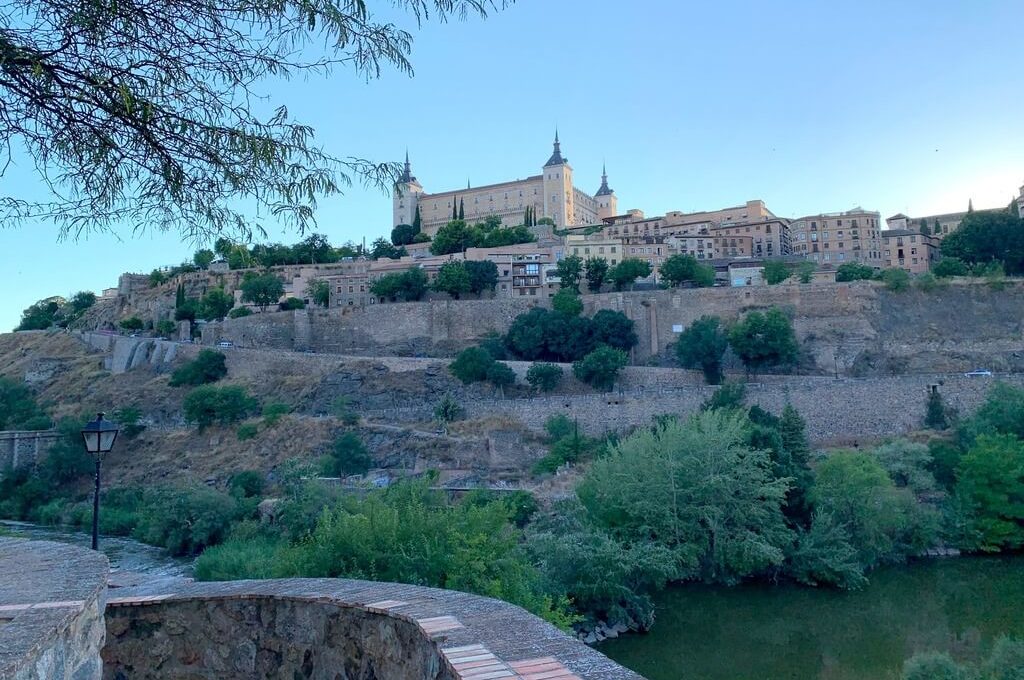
179, 296
455, 209
462, 210
417, 225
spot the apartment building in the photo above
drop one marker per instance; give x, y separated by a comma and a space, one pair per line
909, 249
768, 238
595, 245
837, 238
525, 269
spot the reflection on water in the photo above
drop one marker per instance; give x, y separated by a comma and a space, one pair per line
761, 632
124, 554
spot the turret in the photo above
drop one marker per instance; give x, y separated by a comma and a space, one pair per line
607, 202
406, 196
559, 202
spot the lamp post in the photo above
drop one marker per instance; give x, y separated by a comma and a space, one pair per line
99, 436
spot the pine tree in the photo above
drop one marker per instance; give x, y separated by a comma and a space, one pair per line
462, 210
924, 226
417, 224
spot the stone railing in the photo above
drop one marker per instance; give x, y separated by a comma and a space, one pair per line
51, 611
56, 615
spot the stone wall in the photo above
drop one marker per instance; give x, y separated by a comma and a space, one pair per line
51, 611
124, 353
19, 448
855, 328
838, 412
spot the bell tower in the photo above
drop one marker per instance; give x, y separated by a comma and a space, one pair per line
607, 202
405, 196
558, 194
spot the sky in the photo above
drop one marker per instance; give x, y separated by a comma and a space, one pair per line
810, 105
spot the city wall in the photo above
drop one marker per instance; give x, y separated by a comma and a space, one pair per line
855, 328
24, 447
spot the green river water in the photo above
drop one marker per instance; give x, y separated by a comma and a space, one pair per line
788, 632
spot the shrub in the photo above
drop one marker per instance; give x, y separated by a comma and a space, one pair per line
247, 431
896, 280
567, 301
990, 483
208, 404
764, 339
728, 396
448, 410
934, 666
291, 303
679, 269
132, 323
19, 409
936, 413
950, 266
67, 459
805, 272
128, 418
208, 366
494, 345
471, 365
775, 272
926, 281
235, 558
185, 520
853, 271
239, 312
246, 484
544, 377
166, 328
273, 412
626, 272
559, 426
601, 368
348, 456
500, 375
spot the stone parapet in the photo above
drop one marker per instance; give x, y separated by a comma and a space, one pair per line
52, 599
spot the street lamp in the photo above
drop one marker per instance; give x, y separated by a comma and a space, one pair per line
99, 436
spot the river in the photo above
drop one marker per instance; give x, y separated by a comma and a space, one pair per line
124, 554
788, 632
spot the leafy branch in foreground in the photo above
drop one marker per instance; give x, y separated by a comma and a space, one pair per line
147, 115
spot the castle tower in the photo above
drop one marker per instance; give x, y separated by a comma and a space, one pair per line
558, 193
607, 202
405, 196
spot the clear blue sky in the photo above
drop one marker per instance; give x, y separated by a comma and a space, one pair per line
811, 105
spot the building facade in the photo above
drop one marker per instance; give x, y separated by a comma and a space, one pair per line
1020, 204
909, 249
550, 194
837, 238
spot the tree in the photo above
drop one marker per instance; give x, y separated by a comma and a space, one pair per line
805, 271
448, 410
262, 290
950, 266
208, 366
1001, 413
290, 304
597, 270
239, 312
156, 278
187, 311
500, 374
988, 236
854, 271
702, 346
626, 272
614, 329
567, 302
544, 377
215, 304
601, 368
132, 323
19, 409
139, 116
936, 415
526, 335
452, 278
680, 269
409, 285
179, 296
81, 301
569, 270
462, 210
209, 404
697, 489
991, 487
453, 237
764, 339
319, 291
922, 226
402, 234
455, 210
383, 249
166, 328
775, 272
417, 222
471, 365
348, 456
483, 275
203, 258
41, 315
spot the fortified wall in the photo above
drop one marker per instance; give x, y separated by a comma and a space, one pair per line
24, 447
855, 328
60, 620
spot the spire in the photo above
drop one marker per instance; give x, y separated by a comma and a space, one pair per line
556, 156
406, 176
604, 190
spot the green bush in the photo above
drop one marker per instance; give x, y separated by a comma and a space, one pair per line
927, 282
765, 339
209, 366
990, 483
934, 666
896, 280
166, 328
950, 266
500, 375
19, 409
185, 520
252, 557
567, 301
132, 323
246, 484
601, 368
702, 345
247, 431
348, 456
273, 412
128, 418
209, 404
448, 410
291, 303
239, 312
853, 271
544, 377
729, 396
471, 365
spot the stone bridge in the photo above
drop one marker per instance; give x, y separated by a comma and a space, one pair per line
24, 447
60, 621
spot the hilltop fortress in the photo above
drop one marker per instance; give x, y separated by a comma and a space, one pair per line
550, 194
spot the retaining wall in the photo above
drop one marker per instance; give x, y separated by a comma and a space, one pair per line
24, 447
